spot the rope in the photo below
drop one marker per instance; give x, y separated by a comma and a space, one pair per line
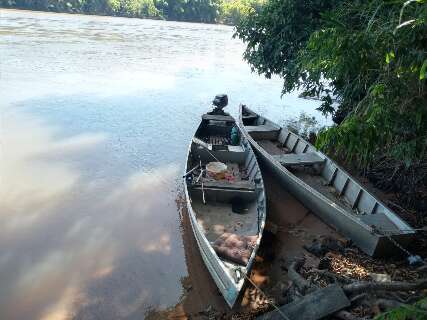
393, 231
412, 258
268, 299
212, 154
201, 174
203, 146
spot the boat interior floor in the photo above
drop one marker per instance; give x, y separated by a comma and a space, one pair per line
320, 184
273, 147
233, 170
315, 180
234, 191
308, 175
217, 218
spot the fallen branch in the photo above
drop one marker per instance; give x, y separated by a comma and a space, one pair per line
364, 286
413, 298
398, 296
314, 306
422, 269
329, 274
345, 315
358, 298
387, 304
295, 277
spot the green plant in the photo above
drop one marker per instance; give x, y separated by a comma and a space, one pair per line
417, 311
366, 60
367, 56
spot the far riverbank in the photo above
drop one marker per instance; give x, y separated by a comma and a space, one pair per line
213, 12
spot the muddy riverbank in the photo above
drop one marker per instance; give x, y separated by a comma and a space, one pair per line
291, 230
291, 226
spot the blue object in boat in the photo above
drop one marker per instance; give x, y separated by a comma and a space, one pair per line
234, 136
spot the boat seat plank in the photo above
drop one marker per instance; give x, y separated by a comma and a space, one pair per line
216, 117
232, 148
223, 193
261, 128
243, 185
250, 117
291, 159
263, 132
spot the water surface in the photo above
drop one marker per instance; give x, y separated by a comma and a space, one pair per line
95, 117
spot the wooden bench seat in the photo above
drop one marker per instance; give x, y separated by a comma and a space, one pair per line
261, 128
263, 131
249, 117
218, 117
221, 184
304, 159
225, 191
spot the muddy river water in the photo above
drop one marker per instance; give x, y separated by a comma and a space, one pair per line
95, 117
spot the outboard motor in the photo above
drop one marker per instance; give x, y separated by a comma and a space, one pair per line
220, 102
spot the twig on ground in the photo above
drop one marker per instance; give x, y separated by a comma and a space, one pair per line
387, 304
345, 315
295, 277
332, 275
363, 286
358, 298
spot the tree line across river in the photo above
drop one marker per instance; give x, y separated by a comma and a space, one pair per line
207, 11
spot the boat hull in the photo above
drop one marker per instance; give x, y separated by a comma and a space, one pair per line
225, 284
220, 270
330, 212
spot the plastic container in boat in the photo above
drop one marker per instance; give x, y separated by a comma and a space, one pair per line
234, 136
216, 170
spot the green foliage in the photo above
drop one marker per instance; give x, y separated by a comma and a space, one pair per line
190, 10
233, 11
208, 11
134, 8
275, 35
304, 125
386, 96
367, 56
418, 311
127, 8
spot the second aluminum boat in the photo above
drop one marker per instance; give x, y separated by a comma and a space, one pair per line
325, 188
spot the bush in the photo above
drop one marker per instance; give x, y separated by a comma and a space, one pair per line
370, 57
232, 11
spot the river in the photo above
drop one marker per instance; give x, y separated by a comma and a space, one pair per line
96, 114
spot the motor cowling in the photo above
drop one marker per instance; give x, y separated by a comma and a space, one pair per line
220, 101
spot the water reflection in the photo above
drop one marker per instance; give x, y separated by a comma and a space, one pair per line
68, 247
95, 118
